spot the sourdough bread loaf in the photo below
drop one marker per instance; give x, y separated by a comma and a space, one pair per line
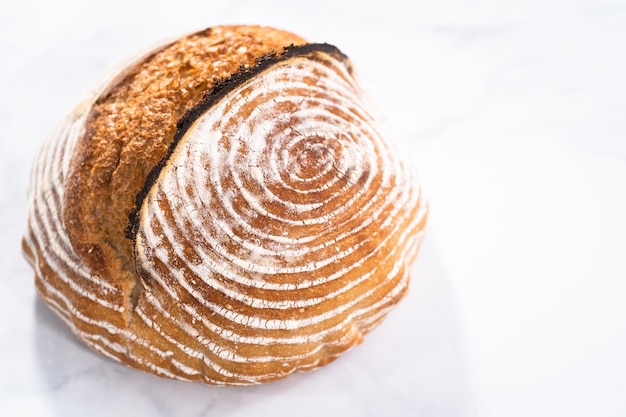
227, 209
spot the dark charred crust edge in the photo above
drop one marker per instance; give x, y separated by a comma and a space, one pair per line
214, 95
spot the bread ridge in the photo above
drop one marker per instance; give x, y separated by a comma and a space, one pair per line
130, 127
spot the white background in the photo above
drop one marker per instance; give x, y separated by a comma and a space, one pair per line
514, 113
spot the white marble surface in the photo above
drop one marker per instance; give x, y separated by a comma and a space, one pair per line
514, 112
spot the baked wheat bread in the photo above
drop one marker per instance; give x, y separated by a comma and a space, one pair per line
225, 210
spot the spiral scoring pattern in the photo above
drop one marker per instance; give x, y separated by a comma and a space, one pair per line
279, 231
301, 218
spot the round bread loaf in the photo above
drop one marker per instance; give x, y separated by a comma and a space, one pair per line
226, 209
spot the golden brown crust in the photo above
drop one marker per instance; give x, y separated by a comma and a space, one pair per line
131, 126
274, 225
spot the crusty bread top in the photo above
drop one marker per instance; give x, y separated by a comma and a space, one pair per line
131, 126
271, 225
